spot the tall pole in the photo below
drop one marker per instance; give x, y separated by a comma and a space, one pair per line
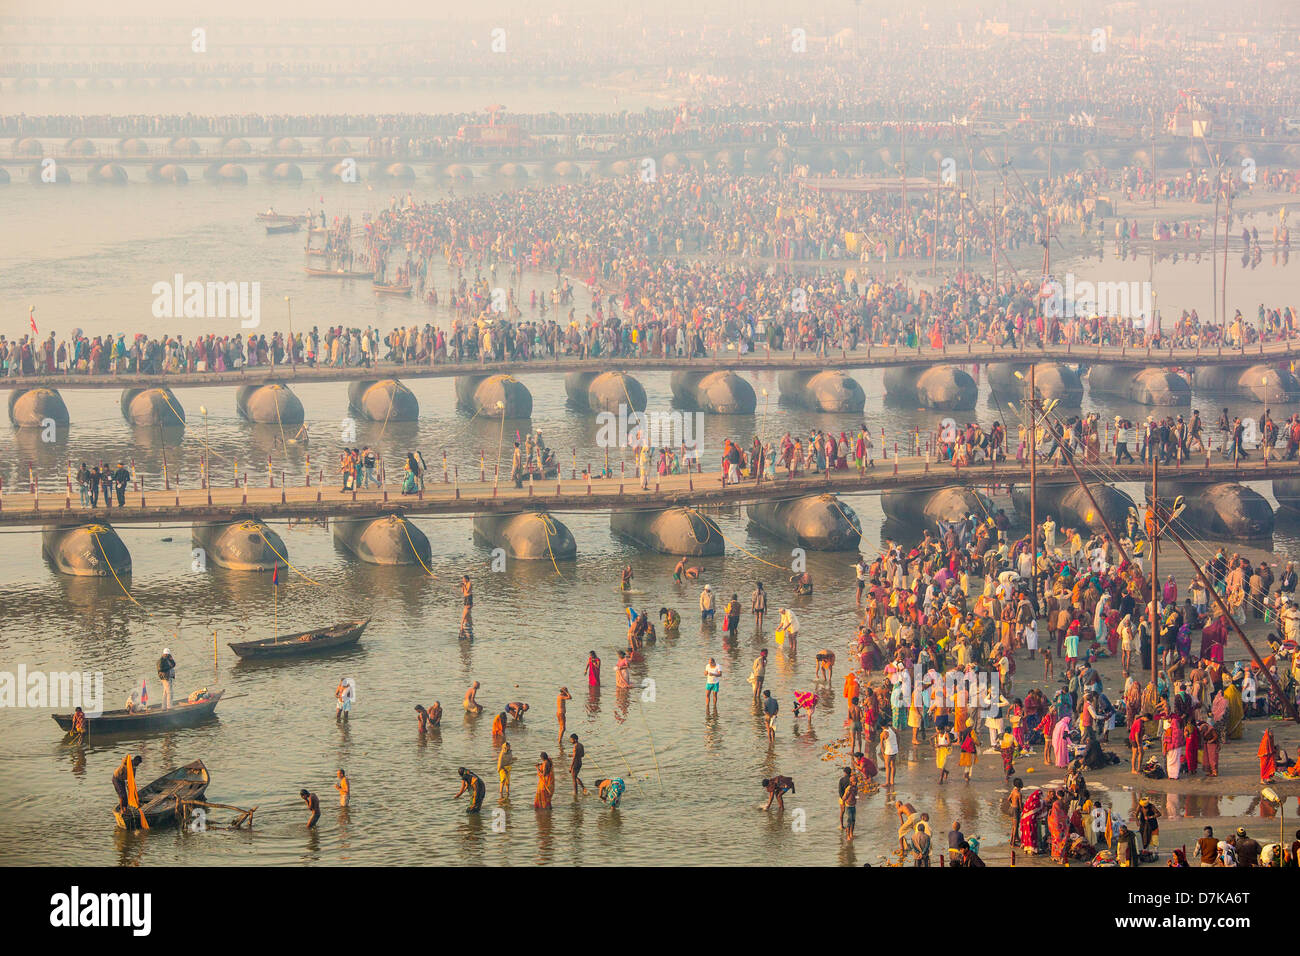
1033, 479
1227, 229
1155, 553
1214, 250
902, 173
938, 214
995, 246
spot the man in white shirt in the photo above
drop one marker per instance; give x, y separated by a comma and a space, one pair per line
888, 751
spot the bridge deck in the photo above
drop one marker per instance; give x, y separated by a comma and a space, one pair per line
572, 494
876, 356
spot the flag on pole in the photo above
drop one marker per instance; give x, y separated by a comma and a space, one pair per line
31, 316
275, 574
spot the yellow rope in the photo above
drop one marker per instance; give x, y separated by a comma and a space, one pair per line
179, 416
387, 416
284, 442
94, 531
834, 499
253, 525
414, 549
548, 525
708, 524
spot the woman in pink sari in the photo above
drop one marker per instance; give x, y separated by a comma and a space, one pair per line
1060, 746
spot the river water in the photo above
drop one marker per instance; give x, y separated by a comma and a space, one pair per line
88, 258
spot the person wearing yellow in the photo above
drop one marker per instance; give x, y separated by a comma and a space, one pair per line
505, 760
942, 747
1236, 712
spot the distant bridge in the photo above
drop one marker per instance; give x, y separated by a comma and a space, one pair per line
874, 356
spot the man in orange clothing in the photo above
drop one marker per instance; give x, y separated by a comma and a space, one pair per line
850, 685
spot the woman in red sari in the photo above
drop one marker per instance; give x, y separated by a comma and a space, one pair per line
1192, 752
1267, 754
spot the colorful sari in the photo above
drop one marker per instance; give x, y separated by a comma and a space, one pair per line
1060, 746
545, 786
1192, 755
1236, 713
1029, 820
1058, 825
1267, 754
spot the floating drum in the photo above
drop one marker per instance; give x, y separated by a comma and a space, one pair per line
229, 174
88, 550
284, 173
826, 391
387, 400
677, 531
604, 391
169, 173
268, 405
37, 408
926, 508
721, 393
943, 387
108, 174
389, 540
530, 536
152, 406
494, 396
817, 523
244, 544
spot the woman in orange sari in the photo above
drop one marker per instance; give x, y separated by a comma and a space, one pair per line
545, 783
1058, 825
1267, 754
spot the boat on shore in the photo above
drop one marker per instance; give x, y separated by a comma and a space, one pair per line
162, 802
146, 721
338, 274
283, 228
304, 643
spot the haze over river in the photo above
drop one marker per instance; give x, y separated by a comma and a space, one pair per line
88, 257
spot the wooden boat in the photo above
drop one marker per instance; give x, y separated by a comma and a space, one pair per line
338, 274
161, 801
303, 643
145, 721
280, 218
283, 228
393, 289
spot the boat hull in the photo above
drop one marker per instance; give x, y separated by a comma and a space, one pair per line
303, 644
155, 719
187, 783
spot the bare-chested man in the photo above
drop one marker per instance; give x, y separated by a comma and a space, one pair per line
560, 700
472, 705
